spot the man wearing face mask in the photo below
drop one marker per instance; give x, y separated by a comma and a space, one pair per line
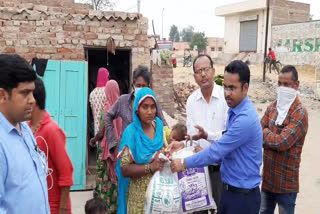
285, 125
123, 107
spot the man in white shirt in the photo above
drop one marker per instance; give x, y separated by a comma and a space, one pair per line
207, 110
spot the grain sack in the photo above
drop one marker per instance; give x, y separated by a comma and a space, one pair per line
163, 195
194, 185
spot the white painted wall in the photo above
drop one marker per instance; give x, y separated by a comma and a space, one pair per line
232, 30
305, 35
240, 7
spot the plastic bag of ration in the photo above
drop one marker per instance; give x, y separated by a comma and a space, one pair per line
163, 195
194, 185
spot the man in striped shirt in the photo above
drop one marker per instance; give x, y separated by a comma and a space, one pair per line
285, 125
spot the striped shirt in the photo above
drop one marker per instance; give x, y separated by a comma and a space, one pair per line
283, 147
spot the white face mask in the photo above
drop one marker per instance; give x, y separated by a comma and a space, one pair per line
136, 90
285, 97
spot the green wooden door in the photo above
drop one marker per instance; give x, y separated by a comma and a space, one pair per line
66, 87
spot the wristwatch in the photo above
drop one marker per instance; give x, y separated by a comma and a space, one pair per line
182, 164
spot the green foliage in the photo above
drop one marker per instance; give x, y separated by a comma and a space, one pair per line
200, 40
174, 34
219, 79
177, 37
187, 33
165, 56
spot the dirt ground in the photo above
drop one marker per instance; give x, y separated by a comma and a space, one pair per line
308, 201
262, 94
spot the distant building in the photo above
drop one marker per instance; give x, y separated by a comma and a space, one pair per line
215, 45
245, 22
181, 46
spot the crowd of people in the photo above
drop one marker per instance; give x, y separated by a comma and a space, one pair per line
131, 133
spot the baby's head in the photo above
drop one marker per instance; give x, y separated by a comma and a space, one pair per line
95, 206
178, 132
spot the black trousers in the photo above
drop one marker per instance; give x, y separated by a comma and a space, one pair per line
273, 63
240, 203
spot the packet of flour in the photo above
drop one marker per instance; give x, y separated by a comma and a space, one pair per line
194, 185
163, 194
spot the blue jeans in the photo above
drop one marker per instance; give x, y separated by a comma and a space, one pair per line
286, 202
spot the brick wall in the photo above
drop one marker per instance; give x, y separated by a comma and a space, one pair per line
285, 12
54, 3
162, 84
60, 33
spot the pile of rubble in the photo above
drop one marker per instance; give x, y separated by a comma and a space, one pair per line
182, 91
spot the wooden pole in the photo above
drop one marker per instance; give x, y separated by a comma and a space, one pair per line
266, 42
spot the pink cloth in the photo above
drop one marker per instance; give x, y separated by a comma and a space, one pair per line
112, 94
103, 77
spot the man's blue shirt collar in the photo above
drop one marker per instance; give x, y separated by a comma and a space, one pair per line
238, 108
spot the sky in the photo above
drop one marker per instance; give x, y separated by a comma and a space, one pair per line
199, 14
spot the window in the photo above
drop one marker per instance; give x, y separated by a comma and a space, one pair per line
220, 48
213, 49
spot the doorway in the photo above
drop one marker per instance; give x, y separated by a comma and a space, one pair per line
119, 67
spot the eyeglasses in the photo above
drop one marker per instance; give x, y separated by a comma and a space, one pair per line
231, 89
205, 70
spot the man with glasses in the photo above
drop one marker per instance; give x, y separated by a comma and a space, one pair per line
239, 150
207, 109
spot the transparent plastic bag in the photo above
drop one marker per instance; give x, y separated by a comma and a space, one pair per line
163, 195
194, 185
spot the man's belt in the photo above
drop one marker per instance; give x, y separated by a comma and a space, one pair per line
214, 168
239, 190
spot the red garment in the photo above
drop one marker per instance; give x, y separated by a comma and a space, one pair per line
58, 160
112, 92
103, 77
273, 56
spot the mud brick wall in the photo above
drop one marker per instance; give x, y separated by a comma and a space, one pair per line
61, 33
285, 12
162, 84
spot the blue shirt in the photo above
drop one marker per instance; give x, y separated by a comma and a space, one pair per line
23, 185
239, 151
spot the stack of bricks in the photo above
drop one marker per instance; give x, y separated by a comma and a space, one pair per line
61, 33
162, 84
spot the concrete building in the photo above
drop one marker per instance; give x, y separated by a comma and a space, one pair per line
245, 22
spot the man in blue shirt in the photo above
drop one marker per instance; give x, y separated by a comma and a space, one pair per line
23, 167
239, 150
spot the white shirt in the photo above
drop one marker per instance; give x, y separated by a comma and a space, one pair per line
211, 116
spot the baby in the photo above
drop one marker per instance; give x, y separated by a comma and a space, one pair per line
178, 133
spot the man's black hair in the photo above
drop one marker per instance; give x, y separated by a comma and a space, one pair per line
270, 49
39, 93
95, 206
241, 68
202, 55
142, 71
14, 70
292, 69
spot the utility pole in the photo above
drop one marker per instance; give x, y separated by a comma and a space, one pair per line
139, 3
266, 42
162, 23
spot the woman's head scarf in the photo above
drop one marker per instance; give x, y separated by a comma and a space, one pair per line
112, 94
141, 148
103, 77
